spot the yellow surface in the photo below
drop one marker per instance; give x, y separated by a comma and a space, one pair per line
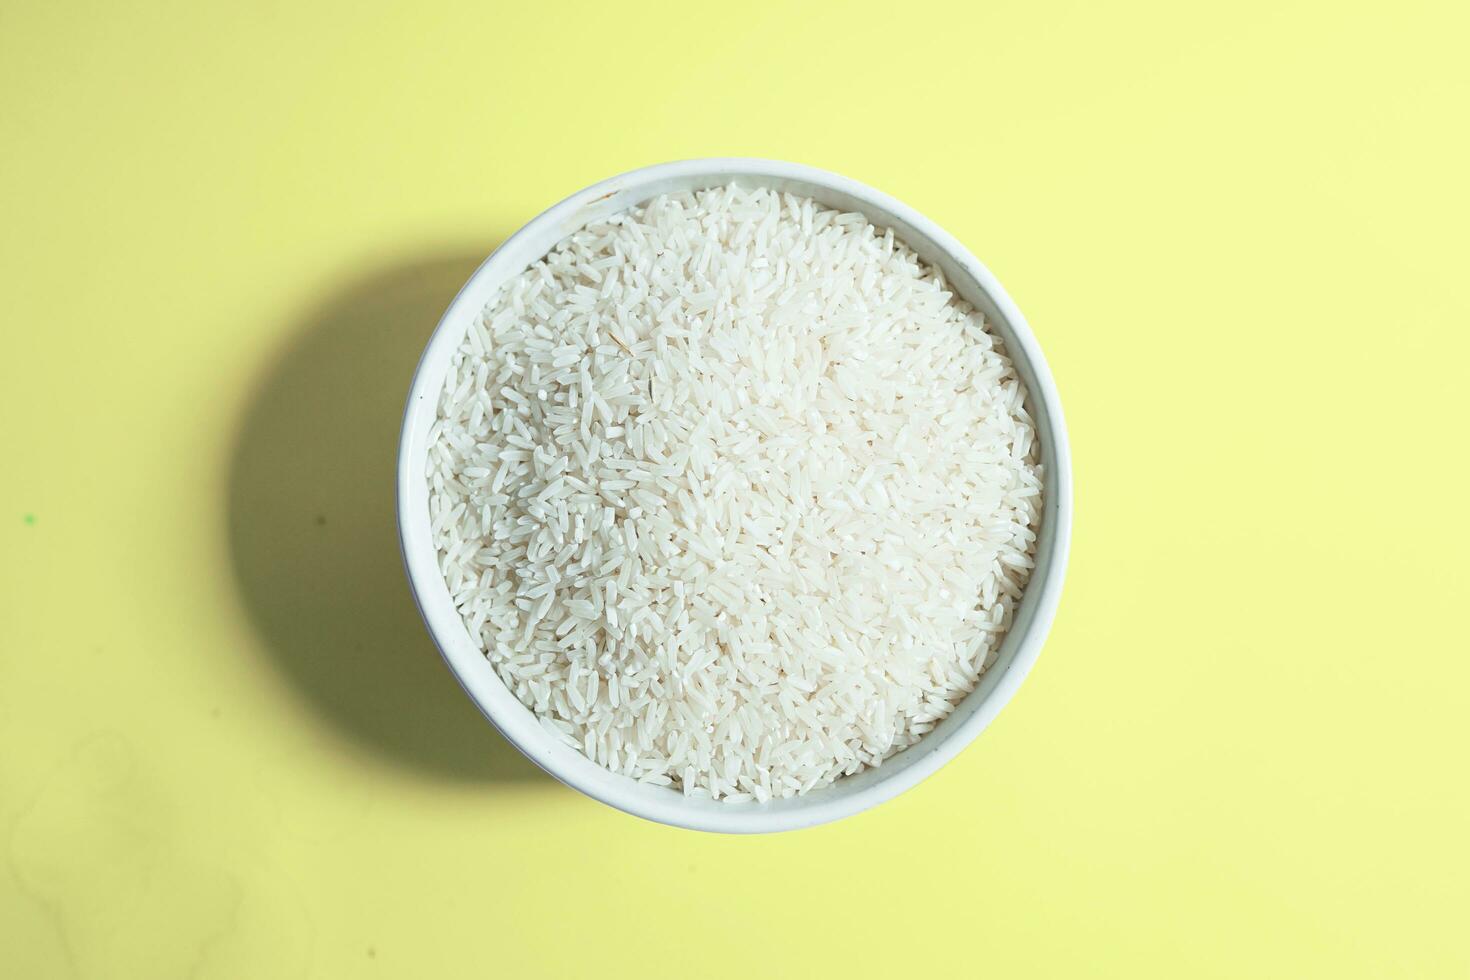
227, 748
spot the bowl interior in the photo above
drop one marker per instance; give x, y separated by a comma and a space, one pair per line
516, 722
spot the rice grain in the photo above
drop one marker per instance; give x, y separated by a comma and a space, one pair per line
734, 492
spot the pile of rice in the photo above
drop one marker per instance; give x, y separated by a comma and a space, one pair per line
735, 494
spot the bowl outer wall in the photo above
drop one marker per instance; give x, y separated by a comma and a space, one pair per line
850, 794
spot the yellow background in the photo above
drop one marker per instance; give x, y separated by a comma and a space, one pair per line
1240, 232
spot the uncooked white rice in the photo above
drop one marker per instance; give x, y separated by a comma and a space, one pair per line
734, 493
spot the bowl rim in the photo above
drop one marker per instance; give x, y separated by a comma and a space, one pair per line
1019, 650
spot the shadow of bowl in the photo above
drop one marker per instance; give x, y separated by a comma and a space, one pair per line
313, 536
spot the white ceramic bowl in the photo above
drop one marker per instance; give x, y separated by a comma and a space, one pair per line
850, 794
